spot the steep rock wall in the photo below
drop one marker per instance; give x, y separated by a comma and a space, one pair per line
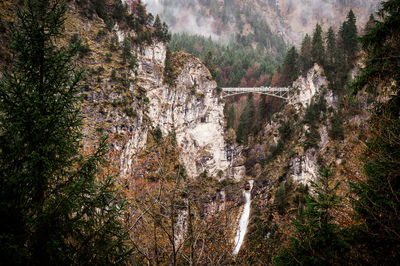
192, 109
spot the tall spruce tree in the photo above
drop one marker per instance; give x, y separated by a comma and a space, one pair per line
317, 50
290, 68
377, 199
348, 32
317, 240
52, 208
331, 46
158, 28
305, 59
246, 121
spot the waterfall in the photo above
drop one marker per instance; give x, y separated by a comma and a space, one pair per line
244, 220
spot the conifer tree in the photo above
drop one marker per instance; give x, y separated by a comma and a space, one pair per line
262, 107
317, 239
317, 50
208, 62
376, 200
158, 28
331, 46
290, 69
246, 122
305, 59
126, 50
231, 117
348, 32
370, 24
53, 210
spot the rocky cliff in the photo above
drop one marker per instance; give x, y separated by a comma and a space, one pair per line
317, 129
192, 108
128, 101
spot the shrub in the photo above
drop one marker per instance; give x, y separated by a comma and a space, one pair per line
129, 111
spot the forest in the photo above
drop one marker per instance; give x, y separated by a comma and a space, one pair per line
73, 95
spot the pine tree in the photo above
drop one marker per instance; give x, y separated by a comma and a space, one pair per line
331, 46
305, 59
231, 117
332, 67
370, 24
158, 28
376, 200
166, 34
52, 208
246, 121
263, 107
126, 50
317, 50
290, 69
208, 62
348, 32
317, 239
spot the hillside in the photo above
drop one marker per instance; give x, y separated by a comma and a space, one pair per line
118, 145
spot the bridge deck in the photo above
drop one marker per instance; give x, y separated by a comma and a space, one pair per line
282, 92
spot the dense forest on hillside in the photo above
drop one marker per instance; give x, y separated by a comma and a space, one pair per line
245, 58
73, 95
236, 64
337, 53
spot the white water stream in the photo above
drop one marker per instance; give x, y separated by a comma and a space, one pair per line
244, 220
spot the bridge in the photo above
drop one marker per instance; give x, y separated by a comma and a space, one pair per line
282, 93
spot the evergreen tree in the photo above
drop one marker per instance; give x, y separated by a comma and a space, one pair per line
331, 46
158, 27
305, 59
376, 200
231, 117
141, 13
317, 239
317, 50
336, 129
334, 64
251, 115
53, 211
348, 32
370, 24
126, 50
289, 68
263, 107
166, 34
208, 62
246, 121
242, 132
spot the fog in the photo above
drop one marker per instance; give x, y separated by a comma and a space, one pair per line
292, 17
183, 16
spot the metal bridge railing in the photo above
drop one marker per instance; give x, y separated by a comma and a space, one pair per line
282, 93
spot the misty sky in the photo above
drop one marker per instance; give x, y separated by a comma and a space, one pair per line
184, 15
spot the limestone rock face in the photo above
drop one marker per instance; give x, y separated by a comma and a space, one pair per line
304, 168
192, 109
304, 88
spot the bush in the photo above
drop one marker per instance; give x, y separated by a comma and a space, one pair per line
157, 134
129, 111
76, 43
312, 138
